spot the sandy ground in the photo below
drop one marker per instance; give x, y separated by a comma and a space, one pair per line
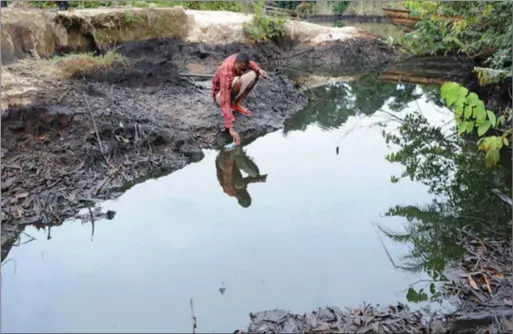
213, 27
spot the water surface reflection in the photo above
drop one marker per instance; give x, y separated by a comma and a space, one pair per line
308, 238
468, 202
229, 167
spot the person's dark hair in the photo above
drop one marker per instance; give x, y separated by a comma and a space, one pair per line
242, 58
244, 198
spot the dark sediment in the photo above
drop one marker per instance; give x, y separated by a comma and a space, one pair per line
398, 319
149, 120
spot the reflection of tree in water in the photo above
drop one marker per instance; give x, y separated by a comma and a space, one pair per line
466, 201
229, 165
334, 103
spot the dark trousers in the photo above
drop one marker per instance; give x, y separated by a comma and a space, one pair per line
3, 3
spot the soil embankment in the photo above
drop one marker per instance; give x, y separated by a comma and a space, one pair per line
45, 33
77, 129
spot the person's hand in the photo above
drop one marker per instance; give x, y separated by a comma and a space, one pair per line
235, 136
262, 73
262, 178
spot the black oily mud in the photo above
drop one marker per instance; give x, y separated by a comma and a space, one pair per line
146, 117
87, 138
158, 62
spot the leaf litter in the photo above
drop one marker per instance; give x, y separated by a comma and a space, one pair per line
484, 304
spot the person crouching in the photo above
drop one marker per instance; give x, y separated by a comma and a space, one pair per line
232, 83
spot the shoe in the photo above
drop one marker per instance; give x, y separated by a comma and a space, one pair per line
241, 109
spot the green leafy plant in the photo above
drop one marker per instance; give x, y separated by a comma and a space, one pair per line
339, 7
304, 9
416, 297
471, 115
129, 16
263, 28
488, 76
234, 6
288, 4
475, 28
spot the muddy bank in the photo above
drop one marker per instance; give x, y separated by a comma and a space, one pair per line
480, 287
375, 319
44, 33
67, 143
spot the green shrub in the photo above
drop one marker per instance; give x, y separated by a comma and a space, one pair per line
263, 28
340, 6
71, 4
472, 116
288, 4
464, 27
233, 6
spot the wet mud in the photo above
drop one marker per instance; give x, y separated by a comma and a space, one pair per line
375, 319
481, 283
394, 319
89, 138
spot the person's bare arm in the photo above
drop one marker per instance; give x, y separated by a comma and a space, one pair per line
254, 67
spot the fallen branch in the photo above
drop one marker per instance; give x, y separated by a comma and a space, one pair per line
384, 247
94, 124
104, 182
13, 261
196, 75
193, 318
298, 53
486, 315
92, 222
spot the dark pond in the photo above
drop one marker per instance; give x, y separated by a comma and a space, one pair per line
282, 223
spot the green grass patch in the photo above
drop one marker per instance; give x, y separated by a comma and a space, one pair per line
263, 28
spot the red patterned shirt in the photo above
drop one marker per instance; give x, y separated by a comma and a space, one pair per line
225, 167
223, 82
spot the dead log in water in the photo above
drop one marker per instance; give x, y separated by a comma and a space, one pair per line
428, 70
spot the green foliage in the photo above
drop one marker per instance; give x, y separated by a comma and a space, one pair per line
488, 76
288, 4
492, 146
471, 115
469, 27
304, 9
71, 4
419, 9
129, 16
335, 103
465, 198
234, 6
339, 7
416, 297
300, 7
423, 149
263, 28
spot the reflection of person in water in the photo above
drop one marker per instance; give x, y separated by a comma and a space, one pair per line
229, 165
